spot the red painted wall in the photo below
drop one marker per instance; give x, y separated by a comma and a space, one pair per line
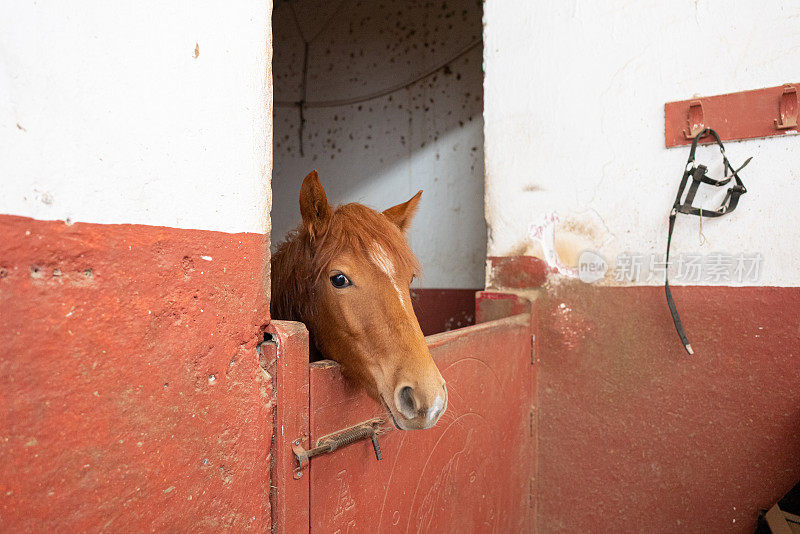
131, 395
637, 436
110, 335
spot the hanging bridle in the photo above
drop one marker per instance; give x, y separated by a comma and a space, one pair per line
699, 174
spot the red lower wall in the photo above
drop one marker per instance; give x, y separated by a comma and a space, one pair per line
635, 435
131, 396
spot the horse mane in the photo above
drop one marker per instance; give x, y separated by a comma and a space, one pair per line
300, 261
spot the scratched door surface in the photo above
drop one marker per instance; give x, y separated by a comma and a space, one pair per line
471, 473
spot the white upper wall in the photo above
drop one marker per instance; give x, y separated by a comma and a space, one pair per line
380, 152
107, 116
574, 112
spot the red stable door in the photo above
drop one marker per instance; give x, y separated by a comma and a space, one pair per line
472, 472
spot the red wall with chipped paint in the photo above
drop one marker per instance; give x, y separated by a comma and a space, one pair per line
131, 394
636, 435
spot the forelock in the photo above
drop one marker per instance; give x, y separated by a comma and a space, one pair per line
365, 233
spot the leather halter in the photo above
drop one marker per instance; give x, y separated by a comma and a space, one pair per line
699, 174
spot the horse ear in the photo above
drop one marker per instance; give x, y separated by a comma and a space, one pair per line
314, 205
402, 214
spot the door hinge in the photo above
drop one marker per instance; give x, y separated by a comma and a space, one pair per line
531, 422
530, 492
533, 349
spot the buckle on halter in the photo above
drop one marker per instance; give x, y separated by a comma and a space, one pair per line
699, 172
737, 190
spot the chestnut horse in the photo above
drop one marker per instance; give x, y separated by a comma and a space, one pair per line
345, 273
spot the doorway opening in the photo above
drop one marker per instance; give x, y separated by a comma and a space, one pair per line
384, 99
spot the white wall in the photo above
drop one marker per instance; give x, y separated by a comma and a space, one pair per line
574, 111
106, 115
380, 152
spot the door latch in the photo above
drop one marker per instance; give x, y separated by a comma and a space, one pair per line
327, 444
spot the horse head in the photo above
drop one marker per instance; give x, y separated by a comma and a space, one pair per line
350, 269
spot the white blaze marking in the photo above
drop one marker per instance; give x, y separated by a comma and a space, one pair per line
385, 264
382, 260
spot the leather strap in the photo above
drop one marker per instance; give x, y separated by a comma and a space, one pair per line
698, 174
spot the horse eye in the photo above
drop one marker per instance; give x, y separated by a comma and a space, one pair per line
340, 281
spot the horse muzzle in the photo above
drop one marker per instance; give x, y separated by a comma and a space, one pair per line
417, 408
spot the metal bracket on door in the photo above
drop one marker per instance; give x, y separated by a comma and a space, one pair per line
327, 444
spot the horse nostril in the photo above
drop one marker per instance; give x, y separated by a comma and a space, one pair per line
405, 402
